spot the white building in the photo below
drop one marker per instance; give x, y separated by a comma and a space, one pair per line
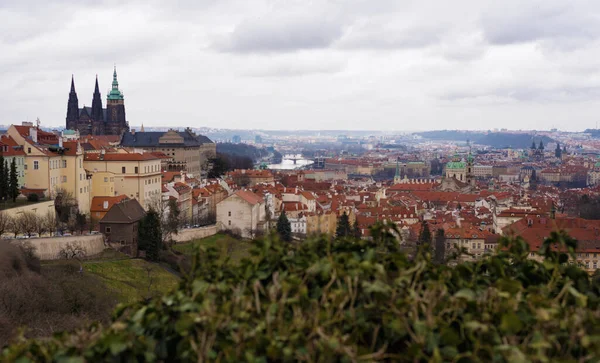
242, 212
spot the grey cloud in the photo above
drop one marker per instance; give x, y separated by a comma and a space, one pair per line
281, 35
376, 36
529, 94
295, 69
561, 23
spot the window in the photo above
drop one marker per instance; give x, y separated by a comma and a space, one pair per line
80, 163
29, 150
25, 167
135, 170
36, 165
64, 179
229, 223
105, 180
123, 170
229, 213
80, 176
80, 190
107, 230
64, 163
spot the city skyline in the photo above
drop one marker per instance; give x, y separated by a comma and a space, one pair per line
295, 65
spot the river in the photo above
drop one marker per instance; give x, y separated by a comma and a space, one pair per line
288, 164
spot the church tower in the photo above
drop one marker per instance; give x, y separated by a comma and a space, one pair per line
116, 122
397, 178
97, 112
470, 175
72, 108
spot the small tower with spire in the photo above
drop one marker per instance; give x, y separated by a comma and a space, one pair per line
397, 178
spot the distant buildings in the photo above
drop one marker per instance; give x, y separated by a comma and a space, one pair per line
188, 151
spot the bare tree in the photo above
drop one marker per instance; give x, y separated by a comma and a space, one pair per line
150, 272
26, 222
40, 225
65, 206
51, 222
5, 223
72, 251
15, 226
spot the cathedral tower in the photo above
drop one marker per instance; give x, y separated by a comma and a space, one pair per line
72, 107
97, 113
116, 122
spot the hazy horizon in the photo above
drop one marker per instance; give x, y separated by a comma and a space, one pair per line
383, 66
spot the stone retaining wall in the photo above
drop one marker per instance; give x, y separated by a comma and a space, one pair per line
186, 235
48, 248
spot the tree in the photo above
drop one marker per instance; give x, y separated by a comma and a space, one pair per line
425, 235
80, 222
284, 228
27, 222
65, 206
172, 221
6, 180
3, 182
150, 235
218, 167
5, 223
356, 230
13, 190
72, 251
440, 246
40, 225
343, 228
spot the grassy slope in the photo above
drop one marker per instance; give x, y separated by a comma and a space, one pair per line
129, 278
236, 249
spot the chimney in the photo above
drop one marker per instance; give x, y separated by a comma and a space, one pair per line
33, 133
133, 131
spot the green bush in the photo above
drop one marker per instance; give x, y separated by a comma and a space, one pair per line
353, 300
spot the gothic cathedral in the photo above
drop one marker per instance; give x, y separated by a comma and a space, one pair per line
96, 120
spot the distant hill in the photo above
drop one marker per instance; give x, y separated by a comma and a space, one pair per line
493, 139
250, 151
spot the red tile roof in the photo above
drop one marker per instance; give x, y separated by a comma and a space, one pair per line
98, 202
248, 196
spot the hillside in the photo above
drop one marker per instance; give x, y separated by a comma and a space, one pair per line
353, 300
493, 139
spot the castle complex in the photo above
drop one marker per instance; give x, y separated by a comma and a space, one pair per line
97, 120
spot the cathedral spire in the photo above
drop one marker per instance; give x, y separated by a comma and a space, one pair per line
97, 113
72, 107
72, 85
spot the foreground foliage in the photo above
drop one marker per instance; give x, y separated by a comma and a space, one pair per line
348, 300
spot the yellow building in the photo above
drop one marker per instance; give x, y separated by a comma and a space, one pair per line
136, 175
52, 165
103, 184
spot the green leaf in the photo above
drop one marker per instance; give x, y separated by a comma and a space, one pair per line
466, 294
511, 323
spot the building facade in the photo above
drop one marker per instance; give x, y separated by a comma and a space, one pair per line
135, 175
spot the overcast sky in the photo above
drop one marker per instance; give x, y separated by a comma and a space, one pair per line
301, 64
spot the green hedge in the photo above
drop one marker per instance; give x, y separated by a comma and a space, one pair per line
348, 301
